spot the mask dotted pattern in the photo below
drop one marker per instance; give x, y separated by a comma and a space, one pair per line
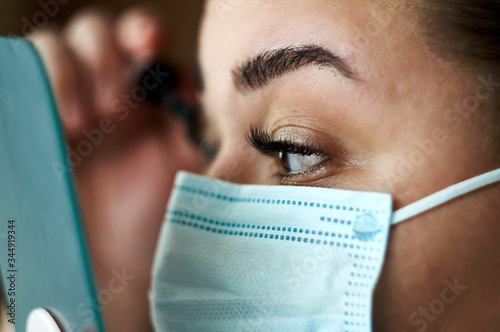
267, 258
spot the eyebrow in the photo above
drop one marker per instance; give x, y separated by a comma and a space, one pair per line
257, 72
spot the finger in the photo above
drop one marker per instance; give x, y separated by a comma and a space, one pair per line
142, 34
65, 78
90, 37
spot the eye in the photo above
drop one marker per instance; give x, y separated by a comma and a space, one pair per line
296, 159
299, 163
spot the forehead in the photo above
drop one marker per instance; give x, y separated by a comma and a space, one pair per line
236, 30
254, 25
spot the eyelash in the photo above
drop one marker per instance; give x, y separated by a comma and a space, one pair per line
261, 140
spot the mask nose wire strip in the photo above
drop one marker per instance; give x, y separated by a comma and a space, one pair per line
445, 195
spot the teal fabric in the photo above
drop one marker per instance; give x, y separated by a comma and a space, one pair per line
52, 264
238, 257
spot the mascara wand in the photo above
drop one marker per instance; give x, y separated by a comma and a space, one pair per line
165, 94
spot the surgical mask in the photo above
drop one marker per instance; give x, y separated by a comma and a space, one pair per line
275, 258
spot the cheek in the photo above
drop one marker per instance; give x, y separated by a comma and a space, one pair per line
424, 254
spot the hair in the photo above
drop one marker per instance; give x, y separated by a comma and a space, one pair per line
467, 33
469, 29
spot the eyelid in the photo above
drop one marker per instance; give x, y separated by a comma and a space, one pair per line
261, 140
302, 141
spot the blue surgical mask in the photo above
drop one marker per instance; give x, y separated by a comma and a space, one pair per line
275, 258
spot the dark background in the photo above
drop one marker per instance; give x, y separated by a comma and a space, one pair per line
184, 17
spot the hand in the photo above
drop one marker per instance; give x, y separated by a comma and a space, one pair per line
125, 151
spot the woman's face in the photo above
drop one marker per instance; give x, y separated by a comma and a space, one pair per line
351, 85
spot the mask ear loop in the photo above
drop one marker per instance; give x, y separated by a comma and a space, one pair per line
445, 195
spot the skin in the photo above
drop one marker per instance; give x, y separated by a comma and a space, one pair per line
370, 127
401, 97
